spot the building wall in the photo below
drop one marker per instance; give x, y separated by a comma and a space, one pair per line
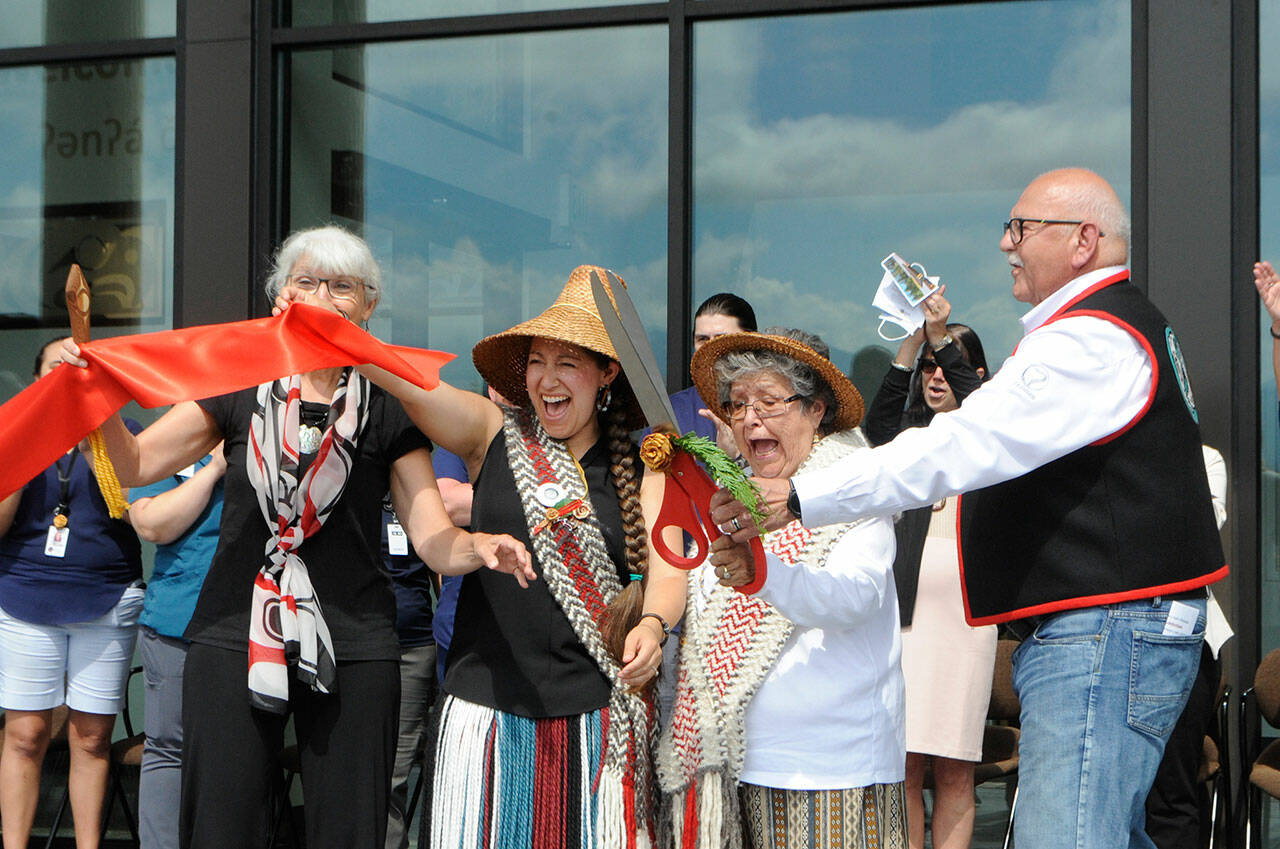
773, 148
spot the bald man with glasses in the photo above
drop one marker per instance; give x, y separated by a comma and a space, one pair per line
1086, 527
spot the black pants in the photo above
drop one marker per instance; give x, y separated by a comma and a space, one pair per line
1178, 806
346, 745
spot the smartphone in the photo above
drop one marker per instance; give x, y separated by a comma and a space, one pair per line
910, 279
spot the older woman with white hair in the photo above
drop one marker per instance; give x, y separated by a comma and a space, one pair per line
788, 724
309, 458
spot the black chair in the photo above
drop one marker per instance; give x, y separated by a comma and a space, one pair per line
125, 753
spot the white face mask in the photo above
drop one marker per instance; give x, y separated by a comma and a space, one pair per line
896, 309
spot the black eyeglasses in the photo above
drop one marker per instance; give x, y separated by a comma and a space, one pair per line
766, 408
339, 287
1015, 226
928, 367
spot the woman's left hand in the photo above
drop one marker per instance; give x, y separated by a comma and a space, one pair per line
505, 553
937, 310
641, 654
734, 565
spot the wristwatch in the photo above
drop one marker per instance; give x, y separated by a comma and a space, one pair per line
943, 342
793, 500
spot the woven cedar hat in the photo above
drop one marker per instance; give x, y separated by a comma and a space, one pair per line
502, 358
849, 406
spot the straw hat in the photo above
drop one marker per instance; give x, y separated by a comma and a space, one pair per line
849, 406
502, 358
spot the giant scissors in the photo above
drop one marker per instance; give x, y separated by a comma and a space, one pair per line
686, 500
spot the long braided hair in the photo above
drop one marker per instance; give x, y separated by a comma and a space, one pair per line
624, 611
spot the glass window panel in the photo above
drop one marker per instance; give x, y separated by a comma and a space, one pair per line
1269, 225
310, 13
483, 170
824, 142
24, 23
90, 180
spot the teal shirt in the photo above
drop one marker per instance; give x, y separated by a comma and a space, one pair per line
182, 564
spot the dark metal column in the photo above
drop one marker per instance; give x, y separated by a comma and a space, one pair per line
212, 268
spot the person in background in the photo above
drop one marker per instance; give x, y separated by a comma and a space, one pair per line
946, 663
70, 595
723, 312
414, 587
456, 490
718, 315
181, 515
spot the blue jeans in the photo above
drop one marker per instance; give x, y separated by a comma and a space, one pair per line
1101, 689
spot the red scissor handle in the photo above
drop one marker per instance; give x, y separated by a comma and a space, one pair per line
686, 504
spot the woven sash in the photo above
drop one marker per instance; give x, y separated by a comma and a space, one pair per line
583, 580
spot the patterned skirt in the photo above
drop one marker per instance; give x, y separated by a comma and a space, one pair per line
505, 780
871, 817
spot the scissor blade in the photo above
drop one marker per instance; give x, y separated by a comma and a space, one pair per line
632, 348
634, 327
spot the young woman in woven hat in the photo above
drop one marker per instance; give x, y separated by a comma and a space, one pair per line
788, 723
544, 738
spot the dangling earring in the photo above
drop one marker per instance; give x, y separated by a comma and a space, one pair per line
604, 398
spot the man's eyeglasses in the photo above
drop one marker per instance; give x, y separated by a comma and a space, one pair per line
339, 287
1015, 226
928, 367
766, 408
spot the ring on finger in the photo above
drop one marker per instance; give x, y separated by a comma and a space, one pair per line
737, 526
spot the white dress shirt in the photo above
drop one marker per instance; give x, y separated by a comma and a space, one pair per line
1070, 382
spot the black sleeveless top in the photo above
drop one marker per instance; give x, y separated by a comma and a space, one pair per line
1127, 517
514, 649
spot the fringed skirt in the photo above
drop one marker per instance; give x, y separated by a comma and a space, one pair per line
871, 817
505, 780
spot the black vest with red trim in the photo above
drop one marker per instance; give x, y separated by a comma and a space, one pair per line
1126, 517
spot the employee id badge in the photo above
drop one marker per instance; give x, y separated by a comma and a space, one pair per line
55, 544
397, 539
910, 278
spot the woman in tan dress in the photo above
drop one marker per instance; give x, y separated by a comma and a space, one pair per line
946, 663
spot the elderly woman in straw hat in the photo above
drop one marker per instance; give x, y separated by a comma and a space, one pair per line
544, 737
788, 724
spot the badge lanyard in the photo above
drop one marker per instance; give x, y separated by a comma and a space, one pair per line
55, 544
62, 513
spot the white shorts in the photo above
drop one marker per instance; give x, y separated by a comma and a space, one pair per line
84, 664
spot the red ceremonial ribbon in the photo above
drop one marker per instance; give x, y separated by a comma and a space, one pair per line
48, 418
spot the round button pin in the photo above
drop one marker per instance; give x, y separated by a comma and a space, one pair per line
549, 494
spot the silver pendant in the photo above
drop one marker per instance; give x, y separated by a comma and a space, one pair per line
309, 438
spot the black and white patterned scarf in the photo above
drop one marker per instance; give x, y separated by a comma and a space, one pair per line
286, 626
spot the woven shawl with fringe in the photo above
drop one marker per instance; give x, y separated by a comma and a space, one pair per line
286, 625
730, 645
583, 580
